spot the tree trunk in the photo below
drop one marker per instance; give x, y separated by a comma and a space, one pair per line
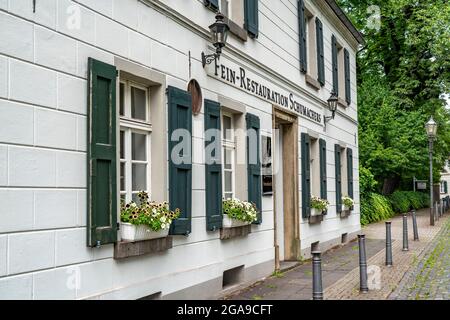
389, 185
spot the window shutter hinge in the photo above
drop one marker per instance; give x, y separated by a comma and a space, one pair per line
118, 225
117, 73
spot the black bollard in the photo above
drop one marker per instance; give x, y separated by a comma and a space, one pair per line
414, 220
388, 244
362, 264
439, 209
317, 276
436, 211
405, 232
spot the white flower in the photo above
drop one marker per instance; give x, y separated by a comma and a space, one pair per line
163, 226
163, 219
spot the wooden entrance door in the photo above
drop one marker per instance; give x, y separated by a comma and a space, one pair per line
287, 244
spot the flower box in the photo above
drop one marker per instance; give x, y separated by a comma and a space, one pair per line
227, 222
131, 232
316, 212
346, 208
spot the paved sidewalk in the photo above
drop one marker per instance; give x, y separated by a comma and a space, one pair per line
340, 270
430, 279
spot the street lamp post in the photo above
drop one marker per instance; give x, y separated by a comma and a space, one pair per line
431, 128
219, 34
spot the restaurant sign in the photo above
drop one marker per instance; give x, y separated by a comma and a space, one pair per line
243, 79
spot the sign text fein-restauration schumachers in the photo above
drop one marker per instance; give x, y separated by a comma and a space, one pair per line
241, 79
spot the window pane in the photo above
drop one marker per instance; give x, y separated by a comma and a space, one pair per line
122, 99
139, 147
122, 176
226, 128
123, 198
139, 173
138, 103
228, 154
228, 195
228, 180
122, 144
135, 198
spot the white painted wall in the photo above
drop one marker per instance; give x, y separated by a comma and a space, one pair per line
43, 89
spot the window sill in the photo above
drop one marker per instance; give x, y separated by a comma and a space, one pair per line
345, 213
236, 232
312, 82
237, 30
127, 249
315, 219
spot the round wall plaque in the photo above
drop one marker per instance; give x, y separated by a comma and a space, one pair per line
196, 93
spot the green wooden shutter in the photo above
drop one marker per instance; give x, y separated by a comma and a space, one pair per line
323, 168
350, 172
102, 158
180, 172
334, 58
254, 169
213, 4
337, 163
251, 17
213, 169
306, 175
302, 35
320, 53
347, 76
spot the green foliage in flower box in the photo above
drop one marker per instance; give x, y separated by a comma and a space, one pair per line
155, 215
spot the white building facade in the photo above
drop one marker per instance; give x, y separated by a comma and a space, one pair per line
91, 93
445, 180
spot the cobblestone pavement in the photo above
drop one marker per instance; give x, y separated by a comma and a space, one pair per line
340, 271
347, 287
296, 284
430, 279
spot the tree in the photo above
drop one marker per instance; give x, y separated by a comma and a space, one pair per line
403, 71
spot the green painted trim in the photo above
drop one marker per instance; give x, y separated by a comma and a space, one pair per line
334, 59
347, 76
338, 175
251, 18
306, 175
254, 170
180, 175
320, 53
350, 172
101, 154
302, 36
213, 171
323, 168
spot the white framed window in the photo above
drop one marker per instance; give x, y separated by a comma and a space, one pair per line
135, 142
233, 10
315, 167
311, 47
228, 156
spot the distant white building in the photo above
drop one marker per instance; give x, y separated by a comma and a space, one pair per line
91, 93
445, 179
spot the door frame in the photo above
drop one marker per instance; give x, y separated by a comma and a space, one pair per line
291, 218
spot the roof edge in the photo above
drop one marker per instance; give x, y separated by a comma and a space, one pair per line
346, 21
